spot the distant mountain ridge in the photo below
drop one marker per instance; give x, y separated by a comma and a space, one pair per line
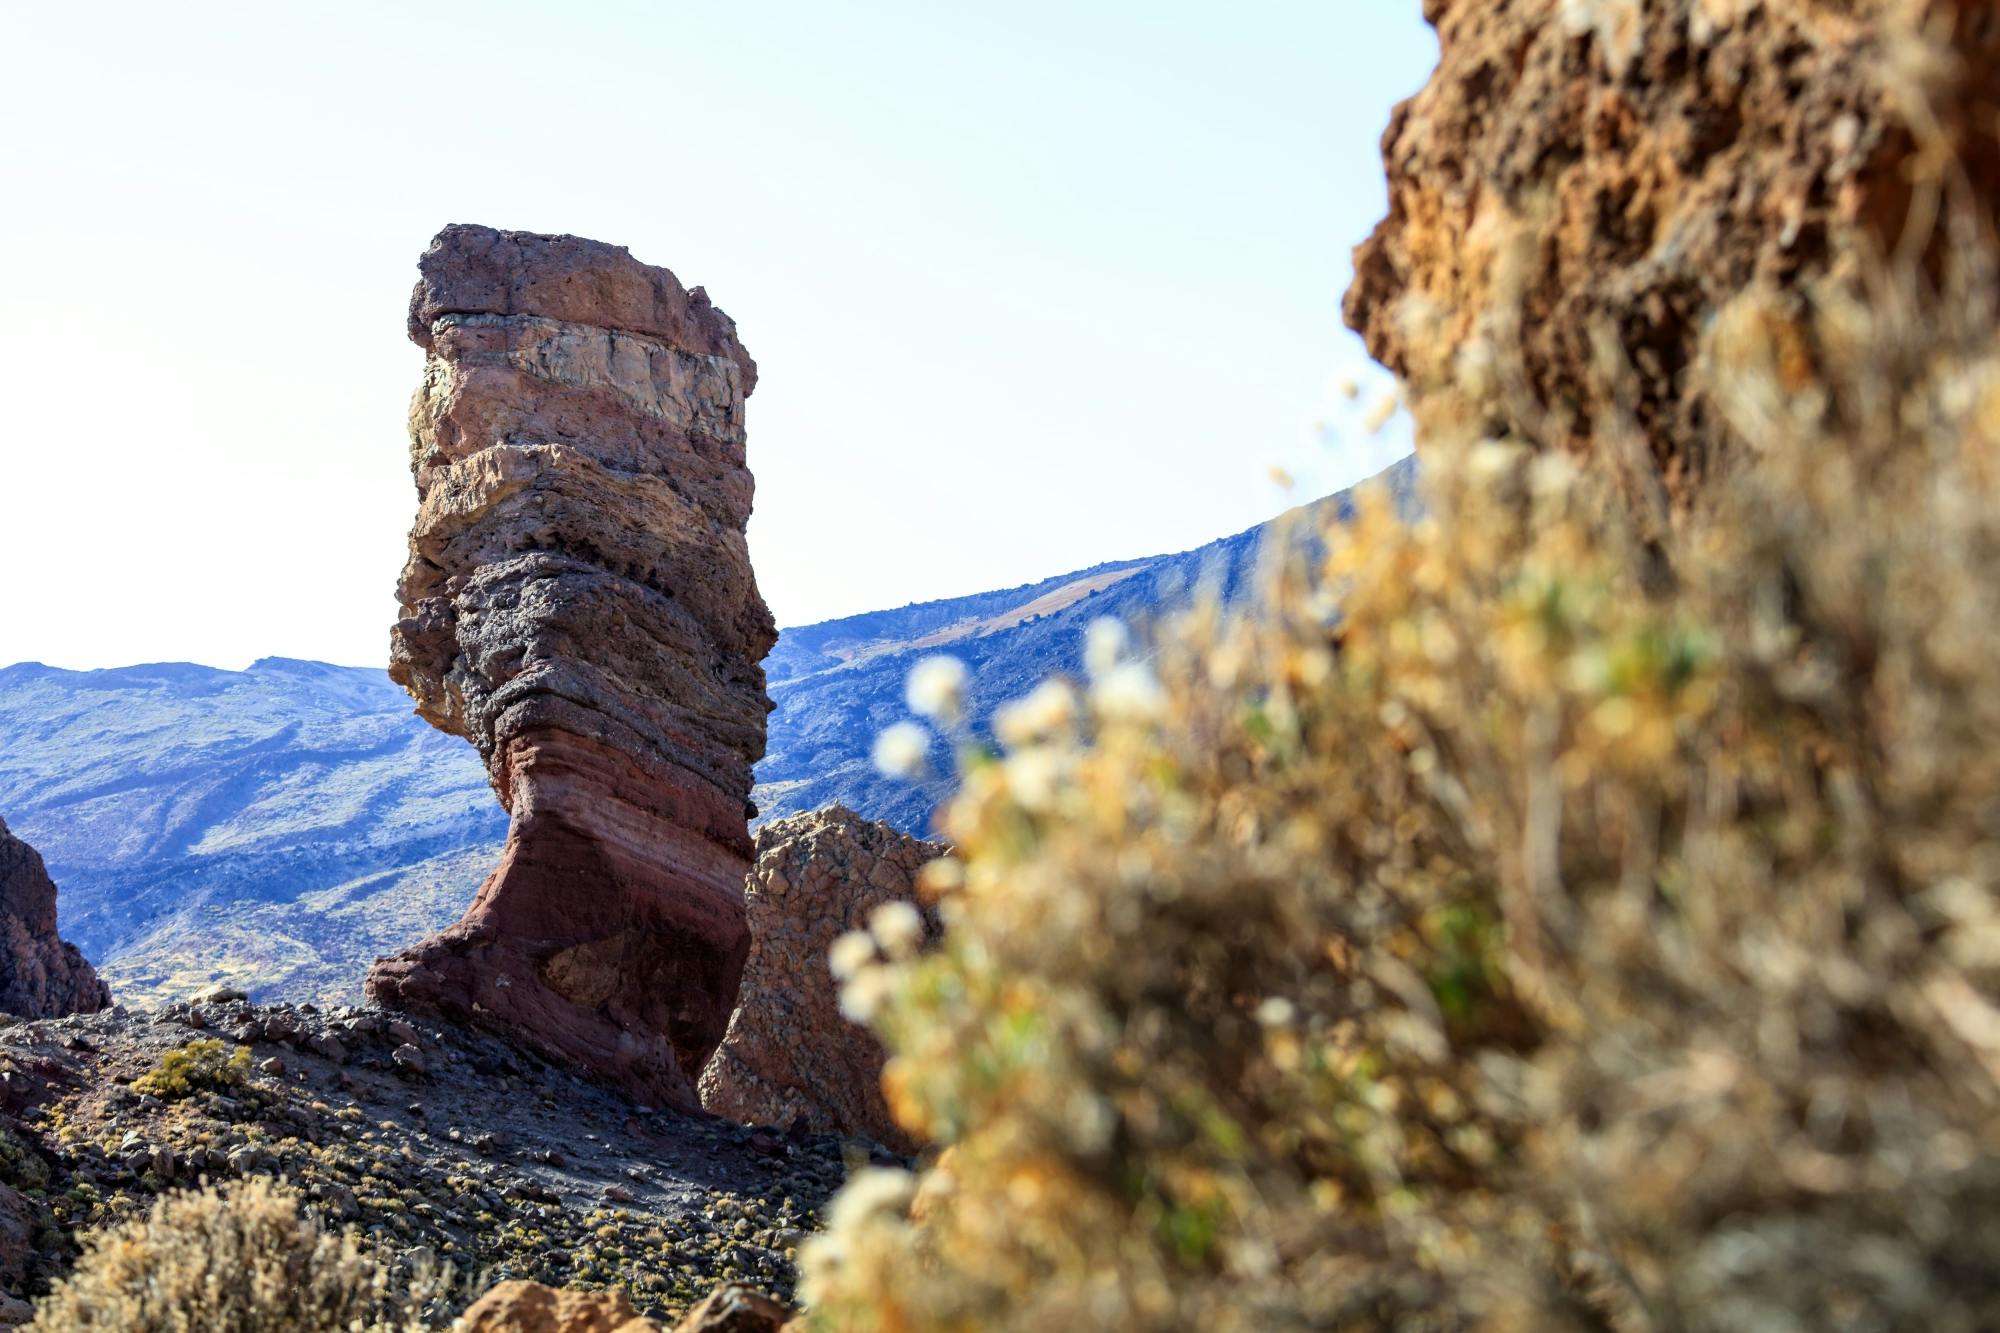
275, 827
839, 683
279, 828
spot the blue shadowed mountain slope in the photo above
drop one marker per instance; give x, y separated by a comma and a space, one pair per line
281, 827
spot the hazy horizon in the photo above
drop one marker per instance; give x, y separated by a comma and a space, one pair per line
383, 666
1028, 292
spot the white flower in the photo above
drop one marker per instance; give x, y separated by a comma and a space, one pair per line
850, 953
1104, 644
1032, 777
869, 1194
1128, 693
1044, 711
898, 927
936, 688
902, 751
942, 876
861, 998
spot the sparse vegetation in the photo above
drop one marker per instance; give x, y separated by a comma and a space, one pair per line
205, 1064
1513, 924
241, 1261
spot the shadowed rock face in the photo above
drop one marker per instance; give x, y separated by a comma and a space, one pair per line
1584, 167
579, 603
40, 975
790, 1054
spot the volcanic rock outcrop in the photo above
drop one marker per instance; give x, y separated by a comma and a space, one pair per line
789, 1053
41, 976
530, 1307
1580, 168
579, 603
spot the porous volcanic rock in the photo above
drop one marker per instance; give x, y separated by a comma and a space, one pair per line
579, 603
531, 1307
41, 976
1577, 166
790, 1054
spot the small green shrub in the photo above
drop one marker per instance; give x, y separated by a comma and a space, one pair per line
20, 1165
203, 1065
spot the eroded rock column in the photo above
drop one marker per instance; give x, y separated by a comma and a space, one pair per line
579, 604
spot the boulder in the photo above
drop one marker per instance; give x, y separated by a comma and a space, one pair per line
736, 1308
579, 603
530, 1307
41, 976
1589, 176
789, 1054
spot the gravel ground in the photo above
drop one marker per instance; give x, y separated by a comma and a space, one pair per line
436, 1143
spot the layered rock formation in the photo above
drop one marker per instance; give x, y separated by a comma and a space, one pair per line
41, 976
579, 603
1583, 172
789, 1053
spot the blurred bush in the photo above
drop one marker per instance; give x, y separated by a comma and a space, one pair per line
1514, 923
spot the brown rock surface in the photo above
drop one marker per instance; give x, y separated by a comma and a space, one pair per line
736, 1308
1576, 165
530, 1307
789, 1052
41, 976
579, 603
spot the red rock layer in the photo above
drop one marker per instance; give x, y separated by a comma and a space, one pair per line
41, 976
789, 1053
579, 603
1585, 167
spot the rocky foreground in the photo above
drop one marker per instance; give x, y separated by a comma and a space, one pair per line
439, 1145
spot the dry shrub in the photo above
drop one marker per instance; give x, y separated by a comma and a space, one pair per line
205, 1064
240, 1261
1577, 928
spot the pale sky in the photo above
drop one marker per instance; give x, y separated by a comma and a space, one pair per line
1030, 285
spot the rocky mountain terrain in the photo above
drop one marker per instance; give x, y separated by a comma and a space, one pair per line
839, 683
439, 1145
279, 828
1566, 948
274, 828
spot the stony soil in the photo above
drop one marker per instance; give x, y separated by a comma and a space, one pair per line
437, 1144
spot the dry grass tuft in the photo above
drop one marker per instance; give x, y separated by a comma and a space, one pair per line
240, 1261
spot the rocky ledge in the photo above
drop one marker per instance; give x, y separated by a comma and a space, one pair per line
1583, 184
41, 975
